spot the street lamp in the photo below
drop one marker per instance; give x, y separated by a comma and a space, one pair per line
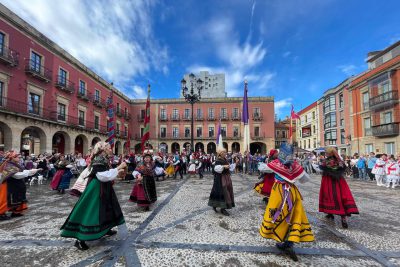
192, 97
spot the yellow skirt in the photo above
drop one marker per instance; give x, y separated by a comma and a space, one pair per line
258, 188
298, 229
170, 170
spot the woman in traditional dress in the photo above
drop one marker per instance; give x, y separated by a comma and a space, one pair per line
97, 210
144, 191
379, 169
335, 196
65, 179
12, 186
170, 170
60, 165
82, 180
285, 219
264, 187
221, 195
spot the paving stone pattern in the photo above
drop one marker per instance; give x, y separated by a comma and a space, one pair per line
181, 230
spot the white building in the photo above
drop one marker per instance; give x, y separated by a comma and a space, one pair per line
308, 136
213, 84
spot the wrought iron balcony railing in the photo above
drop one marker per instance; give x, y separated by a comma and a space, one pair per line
38, 71
64, 84
257, 116
384, 130
9, 56
385, 99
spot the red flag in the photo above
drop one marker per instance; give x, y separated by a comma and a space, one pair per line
146, 130
294, 115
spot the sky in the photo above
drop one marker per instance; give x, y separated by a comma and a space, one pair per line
293, 50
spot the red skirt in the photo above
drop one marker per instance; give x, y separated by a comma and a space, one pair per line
335, 197
56, 179
139, 196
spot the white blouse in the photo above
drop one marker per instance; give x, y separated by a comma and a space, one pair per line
107, 176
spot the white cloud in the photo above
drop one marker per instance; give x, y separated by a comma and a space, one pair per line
286, 54
114, 39
138, 92
348, 69
282, 104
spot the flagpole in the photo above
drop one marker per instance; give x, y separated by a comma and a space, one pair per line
291, 130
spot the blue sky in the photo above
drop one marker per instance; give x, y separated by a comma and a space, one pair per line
292, 50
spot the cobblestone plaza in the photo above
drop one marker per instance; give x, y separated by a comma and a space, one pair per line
181, 230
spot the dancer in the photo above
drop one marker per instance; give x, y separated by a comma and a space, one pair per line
393, 171
97, 210
60, 166
144, 191
335, 196
221, 195
12, 185
264, 187
379, 169
65, 179
285, 219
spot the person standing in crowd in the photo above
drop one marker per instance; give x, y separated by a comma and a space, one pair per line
221, 195
379, 169
144, 191
97, 211
80, 163
335, 197
361, 166
370, 165
264, 187
178, 166
285, 219
199, 167
392, 172
12, 185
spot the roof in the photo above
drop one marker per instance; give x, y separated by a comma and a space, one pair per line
308, 108
375, 54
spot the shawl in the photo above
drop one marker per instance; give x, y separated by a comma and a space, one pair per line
8, 169
146, 170
288, 173
332, 167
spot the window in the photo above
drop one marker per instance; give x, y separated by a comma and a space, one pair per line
365, 99
118, 108
62, 77
342, 137
82, 88
211, 131
341, 103
330, 104
199, 113
223, 131
330, 120
235, 113
186, 113
61, 112
223, 113
389, 148
175, 113
117, 128
369, 148
2, 42
142, 114
277, 133
211, 113
163, 132
187, 132
314, 142
367, 126
256, 131
313, 115
163, 114
125, 131
81, 118
97, 95
34, 104
235, 131
175, 132
385, 87
199, 131
1, 93
126, 112
256, 112
341, 118
283, 134
36, 62
387, 117
96, 122
309, 143
330, 137
313, 128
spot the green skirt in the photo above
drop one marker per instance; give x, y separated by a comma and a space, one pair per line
95, 213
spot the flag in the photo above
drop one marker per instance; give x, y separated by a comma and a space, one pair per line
219, 142
294, 115
110, 120
245, 119
146, 130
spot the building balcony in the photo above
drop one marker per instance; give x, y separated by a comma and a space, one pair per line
65, 85
236, 117
386, 99
224, 117
257, 116
211, 118
199, 118
119, 112
117, 133
127, 116
259, 136
83, 95
385, 130
186, 118
97, 101
163, 118
9, 56
38, 71
140, 118
175, 117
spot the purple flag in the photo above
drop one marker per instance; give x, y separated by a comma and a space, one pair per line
245, 113
219, 137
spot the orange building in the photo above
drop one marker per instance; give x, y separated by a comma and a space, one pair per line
374, 104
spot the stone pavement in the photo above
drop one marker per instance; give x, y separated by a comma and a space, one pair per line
181, 230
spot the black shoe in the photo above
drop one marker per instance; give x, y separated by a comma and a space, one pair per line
344, 223
330, 216
111, 232
146, 208
14, 215
215, 209
265, 199
291, 253
281, 246
225, 212
81, 245
4, 217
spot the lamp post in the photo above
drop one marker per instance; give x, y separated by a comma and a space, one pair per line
192, 97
